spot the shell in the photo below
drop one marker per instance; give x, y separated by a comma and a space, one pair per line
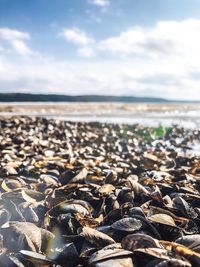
35, 258
191, 241
29, 235
127, 225
173, 262
162, 219
95, 237
158, 253
138, 241
121, 262
109, 252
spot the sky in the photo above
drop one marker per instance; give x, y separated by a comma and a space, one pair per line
105, 47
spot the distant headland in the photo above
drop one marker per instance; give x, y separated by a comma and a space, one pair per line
23, 97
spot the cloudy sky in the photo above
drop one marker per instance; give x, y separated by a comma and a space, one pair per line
115, 47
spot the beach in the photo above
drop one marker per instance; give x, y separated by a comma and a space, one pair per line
149, 114
98, 194
99, 133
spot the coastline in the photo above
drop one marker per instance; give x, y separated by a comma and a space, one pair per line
184, 115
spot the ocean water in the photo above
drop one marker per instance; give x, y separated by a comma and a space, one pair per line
150, 114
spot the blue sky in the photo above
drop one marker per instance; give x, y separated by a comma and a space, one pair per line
121, 47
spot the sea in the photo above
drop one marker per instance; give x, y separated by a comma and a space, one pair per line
148, 114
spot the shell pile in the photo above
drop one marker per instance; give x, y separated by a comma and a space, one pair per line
91, 194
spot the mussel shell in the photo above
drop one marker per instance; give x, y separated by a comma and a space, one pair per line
87, 250
159, 253
26, 232
162, 218
32, 196
106, 189
49, 180
95, 237
28, 212
127, 225
15, 262
173, 263
137, 188
10, 261
9, 184
36, 258
109, 252
120, 262
65, 253
71, 206
137, 241
190, 241
5, 216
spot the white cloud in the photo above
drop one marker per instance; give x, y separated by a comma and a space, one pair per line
21, 48
158, 61
166, 37
77, 37
100, 3
86, 52
14, 40
10, 34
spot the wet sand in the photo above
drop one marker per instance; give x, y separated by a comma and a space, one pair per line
67, 109
187, 115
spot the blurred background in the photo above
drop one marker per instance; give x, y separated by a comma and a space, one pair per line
123, 60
